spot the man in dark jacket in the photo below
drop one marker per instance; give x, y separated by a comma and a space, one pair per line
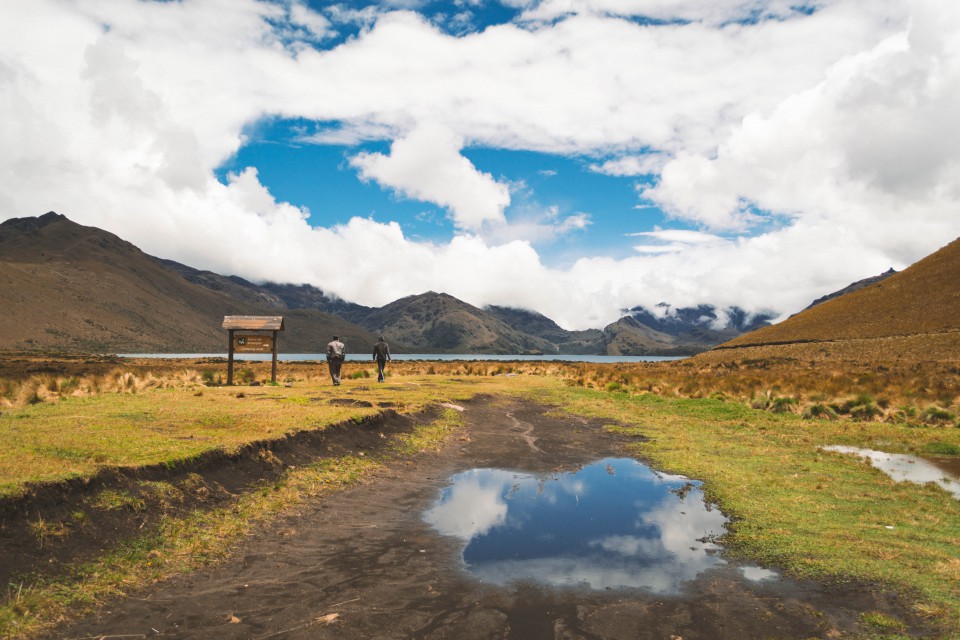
381, 353
336, 353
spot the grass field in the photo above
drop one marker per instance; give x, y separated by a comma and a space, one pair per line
810, 513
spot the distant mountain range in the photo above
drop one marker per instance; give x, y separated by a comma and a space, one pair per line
75, 288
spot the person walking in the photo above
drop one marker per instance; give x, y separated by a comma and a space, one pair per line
336, 353
381, 353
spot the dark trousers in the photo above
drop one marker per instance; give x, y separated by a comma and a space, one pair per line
381, 363
335, 364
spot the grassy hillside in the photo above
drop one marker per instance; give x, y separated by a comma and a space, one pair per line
911, 315
80, 289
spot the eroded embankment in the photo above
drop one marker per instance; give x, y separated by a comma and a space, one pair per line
54, 525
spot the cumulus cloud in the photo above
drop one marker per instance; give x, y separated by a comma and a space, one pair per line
716, 12
819, 149
867, 152
632, 165
427, 165
674, 240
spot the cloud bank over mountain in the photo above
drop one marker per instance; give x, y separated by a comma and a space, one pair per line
793, 148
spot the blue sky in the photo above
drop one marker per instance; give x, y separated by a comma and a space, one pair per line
319, 177
572, 157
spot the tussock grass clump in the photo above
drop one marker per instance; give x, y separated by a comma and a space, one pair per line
938, 416
820, 411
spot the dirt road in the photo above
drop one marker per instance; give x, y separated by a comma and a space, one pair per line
364, 564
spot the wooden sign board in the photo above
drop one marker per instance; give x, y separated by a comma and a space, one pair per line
252, 344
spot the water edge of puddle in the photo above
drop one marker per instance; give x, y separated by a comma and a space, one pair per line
903, 467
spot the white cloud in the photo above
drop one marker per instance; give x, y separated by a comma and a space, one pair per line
315, 24
868, 154
426, 165
473, 505
713, 11
117, 112
647, 164
674, 240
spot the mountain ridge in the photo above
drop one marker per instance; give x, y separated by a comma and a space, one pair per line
80, 288
913, 314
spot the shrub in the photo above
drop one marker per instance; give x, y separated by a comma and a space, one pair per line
761, 401
783, 404
821, 411
865, 411
937, 415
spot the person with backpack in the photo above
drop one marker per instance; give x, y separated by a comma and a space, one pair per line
336, 354
381, 353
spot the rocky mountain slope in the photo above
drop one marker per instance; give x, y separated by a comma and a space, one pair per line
679, 331
589, 341
437, 322
912, 315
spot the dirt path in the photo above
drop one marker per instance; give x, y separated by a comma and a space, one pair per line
363, 564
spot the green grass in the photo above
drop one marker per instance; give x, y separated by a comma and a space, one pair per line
814, 514
76, 437
185, 544
807, 512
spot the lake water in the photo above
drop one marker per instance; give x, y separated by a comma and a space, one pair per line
354, 357
615, 523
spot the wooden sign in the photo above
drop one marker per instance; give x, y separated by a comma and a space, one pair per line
252, 344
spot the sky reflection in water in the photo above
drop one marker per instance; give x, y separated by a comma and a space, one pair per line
612, 524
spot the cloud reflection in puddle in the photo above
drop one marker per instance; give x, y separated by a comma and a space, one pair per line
612, 524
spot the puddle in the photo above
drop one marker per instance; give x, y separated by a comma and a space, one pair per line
613, 524
758, 574
902, 467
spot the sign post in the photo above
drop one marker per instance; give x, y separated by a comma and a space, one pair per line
252, 342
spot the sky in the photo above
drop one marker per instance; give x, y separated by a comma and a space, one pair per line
572, 157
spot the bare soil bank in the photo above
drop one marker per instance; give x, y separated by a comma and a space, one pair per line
82, 522
363, 564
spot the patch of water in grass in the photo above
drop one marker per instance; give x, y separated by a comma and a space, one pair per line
902, 467
612, 524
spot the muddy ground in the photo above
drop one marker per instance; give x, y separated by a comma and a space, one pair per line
363, 564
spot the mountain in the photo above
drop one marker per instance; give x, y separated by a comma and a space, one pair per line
856, 286
76, 288
439, 323
912, 315
305, 296
628, 336
683, 321
81, 289
677, 331
588, 341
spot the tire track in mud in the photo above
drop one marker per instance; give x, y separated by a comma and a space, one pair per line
363, 564
525, 433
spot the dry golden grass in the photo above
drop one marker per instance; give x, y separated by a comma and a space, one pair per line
912, 315
922, 393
